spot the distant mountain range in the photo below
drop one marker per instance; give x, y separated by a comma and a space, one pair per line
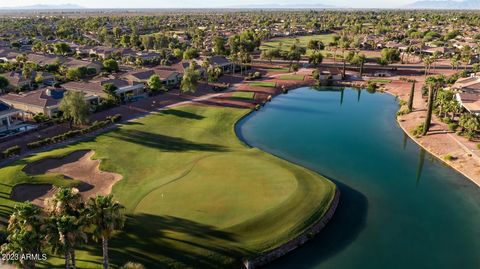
281, 6
444, 4
422, 4
43, 7
240, 6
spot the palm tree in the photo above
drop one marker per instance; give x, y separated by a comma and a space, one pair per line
454, 61
433, 83
234, 59
25, 233
362, 58
344, 44
63, 234
66, 222
410, 98
106, 215
470, 124
427, 61
206, 65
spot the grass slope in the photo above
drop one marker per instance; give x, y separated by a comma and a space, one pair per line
291, 77
285, 43
243, 95
267, 84
196, 196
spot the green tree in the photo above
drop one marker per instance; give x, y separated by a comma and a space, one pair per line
315, 45
106, 216
359, 60
61, 48
4, 83
111, 91
470, 124
25, 233
316, 58
219, 45
75, 108
190, 53
154, 83
110, 65
214, 73
74, 74
190, 79
390, 55
295, 53
270, 54
475, 68
38, 79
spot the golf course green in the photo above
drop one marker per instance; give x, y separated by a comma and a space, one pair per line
195, 195
284, 43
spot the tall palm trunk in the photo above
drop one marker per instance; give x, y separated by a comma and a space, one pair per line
72, 256
361, 69
428, 119
410, 99
105, 252
67, 259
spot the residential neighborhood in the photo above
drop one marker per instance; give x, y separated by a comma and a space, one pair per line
266, 135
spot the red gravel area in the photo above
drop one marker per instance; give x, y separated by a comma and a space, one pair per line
439, 141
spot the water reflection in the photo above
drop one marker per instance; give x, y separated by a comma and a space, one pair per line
421, 162
341, 96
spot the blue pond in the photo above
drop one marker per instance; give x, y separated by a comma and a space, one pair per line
400, 207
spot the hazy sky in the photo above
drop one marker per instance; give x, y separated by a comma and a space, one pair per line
204, 3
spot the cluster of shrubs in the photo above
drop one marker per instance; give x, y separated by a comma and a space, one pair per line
40, 117
253, 76
372, 87
11, 151
73, 133
418, 131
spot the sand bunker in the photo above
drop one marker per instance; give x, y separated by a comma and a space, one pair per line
32, 192
77, 165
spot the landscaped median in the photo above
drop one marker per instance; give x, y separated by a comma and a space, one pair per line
196, 196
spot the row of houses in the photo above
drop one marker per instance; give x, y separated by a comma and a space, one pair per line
18, 107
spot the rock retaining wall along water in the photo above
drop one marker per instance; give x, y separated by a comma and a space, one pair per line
307, 235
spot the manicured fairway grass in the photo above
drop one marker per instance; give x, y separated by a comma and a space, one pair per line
278, 69
291, 77
263, 84
285, 43
243, 95
196, 196
384, 81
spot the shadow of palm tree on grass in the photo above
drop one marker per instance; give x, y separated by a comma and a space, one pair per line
164, 142
183, 114
171, 242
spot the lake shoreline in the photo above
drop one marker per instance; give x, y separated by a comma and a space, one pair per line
298, 241
427, 142
401, 90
